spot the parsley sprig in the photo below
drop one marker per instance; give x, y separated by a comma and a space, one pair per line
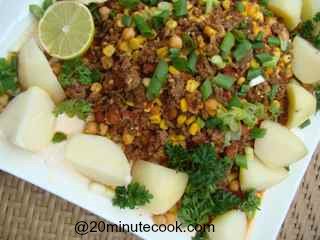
74, 107
309, 31
8, 75
132, 196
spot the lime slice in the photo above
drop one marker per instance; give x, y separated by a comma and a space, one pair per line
66, 29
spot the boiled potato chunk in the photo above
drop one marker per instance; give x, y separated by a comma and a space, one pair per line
302, 105
34, 70
166, 185
279, 147
310, 8
99, 159
28, 121
260, 177
232, 225
305, 62
69, 125
289, 10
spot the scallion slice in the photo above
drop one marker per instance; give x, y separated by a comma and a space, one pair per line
180, 8
142, 26
227, 43
206, 89
242, 50
224, 81
158, 80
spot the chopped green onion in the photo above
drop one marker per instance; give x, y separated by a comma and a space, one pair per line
260, 36
242, 50
244, 89
206, 89
284, 45
241, 161
158, 80
224, 81
273, 92
210, 5
160, 19
36, 11
214, 122
180, 8
59, 137
188, 42
305, 124
218, 61
129, 3
267, 60
142, 26
235, 102
200, 122
150, 2
258, 45
257, 133
126, 20
274, 41
227, 43
239, 6
192, 62
253, 73
180, 63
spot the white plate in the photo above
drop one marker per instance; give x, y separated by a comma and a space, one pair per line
54, 175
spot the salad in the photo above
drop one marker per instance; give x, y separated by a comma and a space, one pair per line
181, 108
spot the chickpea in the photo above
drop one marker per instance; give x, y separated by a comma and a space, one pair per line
104, 12
211, 106
91, 128
128, 33
96, 87
175, 42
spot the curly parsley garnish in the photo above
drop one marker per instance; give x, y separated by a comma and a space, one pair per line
8, 75
74, 107
132, 196
308, 30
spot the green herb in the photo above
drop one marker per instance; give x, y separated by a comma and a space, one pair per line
241, 161
253, 73
224, 81
47, 3
178, 157
158, 80
160, 19
8, 75
206, 89
36, 11
150, 2
305, 124
227, 43
192, 62
142, 26
310, 31
214, 122
210, 5
275, 110
129, 3
223, 202
94, 9
126, 20
132, 196
200, 236
260, 36
188, 42
74, 107
317, 93
250, 203
274, 41
218, 61
244, 89
258, 45
273, 92
235, 102
264, 2
76, 71
180, 8
239, 6
267, 60
242, 50
180, 63
257, 133
59, 137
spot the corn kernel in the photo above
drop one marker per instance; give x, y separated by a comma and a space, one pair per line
162, 52
137, 42
171, 24
163, 125
269, 71
209, 31
146, 82
181, 120
254, 63
194, 129
109, 50
277, 52
226, 4
155, 119
259, 16
286, 58
276, 103
211, 106
173, 70
200, 41
190, 120
241, 80
181, 138
189, 6
96, 87
192, 85
127, 138
123, 46
183, 105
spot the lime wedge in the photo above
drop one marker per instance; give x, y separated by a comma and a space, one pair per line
66, 30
